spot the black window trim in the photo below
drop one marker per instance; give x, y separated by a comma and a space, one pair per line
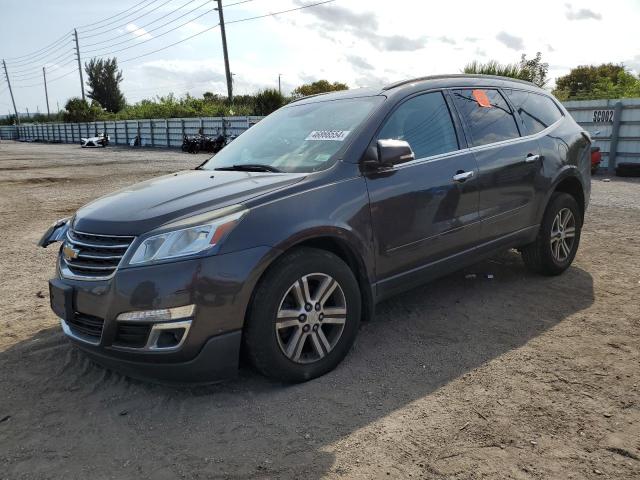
539, 134
460, 127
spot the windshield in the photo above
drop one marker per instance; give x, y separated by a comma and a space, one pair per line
298, 138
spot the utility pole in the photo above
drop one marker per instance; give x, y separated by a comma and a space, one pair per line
75, 34
6, 74
279, 84
224, 51
46, 94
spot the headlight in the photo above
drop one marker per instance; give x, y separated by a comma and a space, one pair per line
186, 241
55, 233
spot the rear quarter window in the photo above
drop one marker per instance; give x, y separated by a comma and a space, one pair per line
486, 114
537, 111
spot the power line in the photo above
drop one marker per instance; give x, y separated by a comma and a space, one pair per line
168, 46
215, 26
237, 3
113, 16
179, 41
41, 49
39, 84
278, 13
131, 20
29, 76
150, 39
145, 25
156, 28
38, 59
115, 21
28, 58
54, 60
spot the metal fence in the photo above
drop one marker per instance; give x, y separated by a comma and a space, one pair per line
152, 133
614, 126
8, 133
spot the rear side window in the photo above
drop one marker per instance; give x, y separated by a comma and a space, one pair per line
537, 111
425, 123
487, 115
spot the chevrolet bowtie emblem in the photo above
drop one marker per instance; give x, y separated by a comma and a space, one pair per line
69, 252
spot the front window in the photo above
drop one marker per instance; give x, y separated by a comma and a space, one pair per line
298, 138
425, 123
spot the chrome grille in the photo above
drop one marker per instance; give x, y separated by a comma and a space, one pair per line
96, 256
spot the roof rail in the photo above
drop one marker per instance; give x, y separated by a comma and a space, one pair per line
453, 75
308, 96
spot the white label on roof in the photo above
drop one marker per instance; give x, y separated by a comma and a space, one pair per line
333, 135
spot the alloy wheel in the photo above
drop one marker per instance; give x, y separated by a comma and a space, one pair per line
311, 318
563, 233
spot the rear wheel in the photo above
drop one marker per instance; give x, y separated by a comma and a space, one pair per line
304, 316
557, 242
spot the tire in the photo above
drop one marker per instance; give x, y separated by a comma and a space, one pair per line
315, 344
551, 254
628, 169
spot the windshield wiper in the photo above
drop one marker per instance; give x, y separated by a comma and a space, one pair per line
251, 167
200, 167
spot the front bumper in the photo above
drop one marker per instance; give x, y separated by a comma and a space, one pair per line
216, 361
220, 287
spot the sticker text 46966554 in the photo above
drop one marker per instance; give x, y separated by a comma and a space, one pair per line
332, 135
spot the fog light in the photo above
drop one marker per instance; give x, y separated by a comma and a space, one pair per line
160, 315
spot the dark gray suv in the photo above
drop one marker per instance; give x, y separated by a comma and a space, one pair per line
286, 239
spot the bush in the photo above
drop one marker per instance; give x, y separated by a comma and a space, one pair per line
79, 110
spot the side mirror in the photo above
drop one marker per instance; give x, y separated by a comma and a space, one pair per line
392, 152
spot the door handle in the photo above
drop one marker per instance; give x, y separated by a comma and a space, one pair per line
461, 176
532, 158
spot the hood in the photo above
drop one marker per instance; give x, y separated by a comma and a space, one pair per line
144, 206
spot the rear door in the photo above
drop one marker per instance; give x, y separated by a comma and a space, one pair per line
420, 212
508, 163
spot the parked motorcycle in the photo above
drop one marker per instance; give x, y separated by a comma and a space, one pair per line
191, 144
200, 142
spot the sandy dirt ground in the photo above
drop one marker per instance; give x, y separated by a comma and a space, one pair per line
517, 376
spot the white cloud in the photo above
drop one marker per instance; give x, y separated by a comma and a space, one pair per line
138, 32
581, 14
359, 42
510, 41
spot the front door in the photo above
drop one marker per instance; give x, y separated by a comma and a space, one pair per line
426, 209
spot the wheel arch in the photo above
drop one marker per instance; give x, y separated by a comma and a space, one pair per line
569, 181
346, 253
347, 250
573, 186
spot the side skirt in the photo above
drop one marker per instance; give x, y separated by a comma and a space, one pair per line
404, 281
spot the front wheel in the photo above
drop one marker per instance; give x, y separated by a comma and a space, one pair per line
557, 242
304, 316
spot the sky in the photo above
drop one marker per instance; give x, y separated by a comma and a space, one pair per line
358, 42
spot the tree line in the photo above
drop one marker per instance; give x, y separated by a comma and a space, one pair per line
585, 82
107, 102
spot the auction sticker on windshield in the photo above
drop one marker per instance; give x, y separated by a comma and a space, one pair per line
334, 135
